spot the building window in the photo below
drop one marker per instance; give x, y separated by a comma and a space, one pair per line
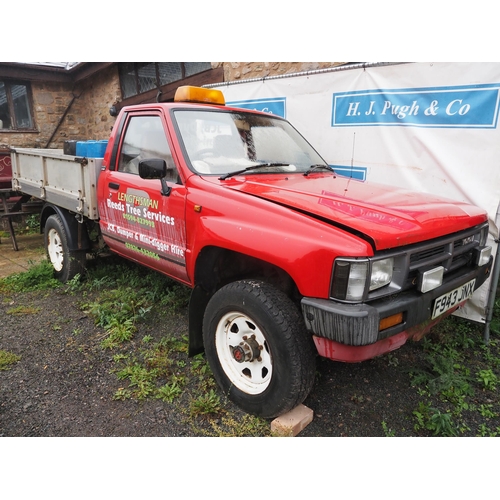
15, 106
137, 78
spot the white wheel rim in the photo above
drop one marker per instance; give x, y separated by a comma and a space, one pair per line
236, 333
55, 249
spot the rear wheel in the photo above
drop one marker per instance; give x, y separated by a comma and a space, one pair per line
258, 348
67, 263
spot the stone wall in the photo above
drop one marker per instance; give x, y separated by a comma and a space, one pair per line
86, 106
49, 103
88, 117
247, 70
81, 112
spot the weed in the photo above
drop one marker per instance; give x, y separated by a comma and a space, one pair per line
392, 360
32, 224
119, 331
37, 277
495, 322
206, 404
486, 411
122, 394
142, 379
74, 284
119, 357
20, 310
200, 365
7, 359
169, 392
157, 358
444, 374
432, 419
485, 431
246, 426
487, 378
387, 431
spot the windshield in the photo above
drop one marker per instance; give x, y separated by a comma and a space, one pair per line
222, 142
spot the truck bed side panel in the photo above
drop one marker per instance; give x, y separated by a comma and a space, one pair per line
67, 181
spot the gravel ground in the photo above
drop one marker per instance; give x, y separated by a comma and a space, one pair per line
64, 382
64, 385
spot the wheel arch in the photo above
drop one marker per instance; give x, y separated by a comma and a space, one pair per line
216, 267
78, 238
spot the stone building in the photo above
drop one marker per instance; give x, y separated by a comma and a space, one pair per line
44, 104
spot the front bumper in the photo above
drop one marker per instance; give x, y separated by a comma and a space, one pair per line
359, 324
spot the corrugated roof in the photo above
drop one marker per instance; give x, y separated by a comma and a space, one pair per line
62, 65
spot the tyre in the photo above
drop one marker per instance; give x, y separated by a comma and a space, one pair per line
67, 264
258, 348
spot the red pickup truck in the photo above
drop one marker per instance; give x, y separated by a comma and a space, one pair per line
285, 258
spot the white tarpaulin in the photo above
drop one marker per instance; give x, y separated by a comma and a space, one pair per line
431, 127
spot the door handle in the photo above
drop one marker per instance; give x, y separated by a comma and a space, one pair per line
114, 185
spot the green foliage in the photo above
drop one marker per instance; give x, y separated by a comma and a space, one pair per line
205, 404
37, 277
485, 431
122, 394
432, 419
31, 224
444, 374
495, 322
246, 426
20, 310
169, 392
387, 431
486, 411
127, 295
7, 359
140, 379
487, 379
454, 382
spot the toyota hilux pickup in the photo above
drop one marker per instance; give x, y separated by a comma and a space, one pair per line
285, 258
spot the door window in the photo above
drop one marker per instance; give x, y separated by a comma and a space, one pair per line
145, 139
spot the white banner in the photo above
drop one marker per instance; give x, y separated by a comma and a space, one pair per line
431, 127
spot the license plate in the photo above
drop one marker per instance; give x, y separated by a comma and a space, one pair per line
451, 299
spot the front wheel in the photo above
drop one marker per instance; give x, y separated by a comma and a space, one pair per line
258, 348
67, 263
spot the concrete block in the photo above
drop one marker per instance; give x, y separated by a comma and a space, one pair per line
291, 423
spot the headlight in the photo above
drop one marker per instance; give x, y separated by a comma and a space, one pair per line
381, 273
351, 278
484, 236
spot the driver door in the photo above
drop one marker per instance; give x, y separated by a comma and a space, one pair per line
137, 220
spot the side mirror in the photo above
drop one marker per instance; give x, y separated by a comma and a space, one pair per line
155, 168
152, 168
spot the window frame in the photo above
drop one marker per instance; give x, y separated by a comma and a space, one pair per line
138, 65
8, 83
172, 170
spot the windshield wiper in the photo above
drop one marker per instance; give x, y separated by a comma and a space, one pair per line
253, 167
312, 168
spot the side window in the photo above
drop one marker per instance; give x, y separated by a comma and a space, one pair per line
144, 139
15, 106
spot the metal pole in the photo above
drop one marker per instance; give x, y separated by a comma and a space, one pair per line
493, 288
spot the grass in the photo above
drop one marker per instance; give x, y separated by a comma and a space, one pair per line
458, 383
7, 359
37, 277
20, 310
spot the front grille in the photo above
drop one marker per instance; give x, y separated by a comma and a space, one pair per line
453, 252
